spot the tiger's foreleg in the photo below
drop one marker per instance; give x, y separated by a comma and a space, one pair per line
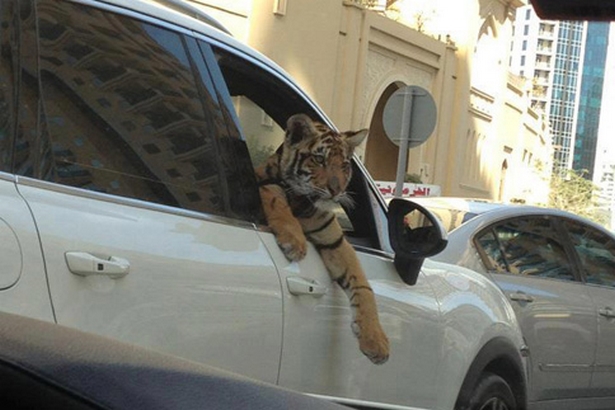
285, 226
344, 267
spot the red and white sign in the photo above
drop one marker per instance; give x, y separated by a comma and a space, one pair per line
387, 189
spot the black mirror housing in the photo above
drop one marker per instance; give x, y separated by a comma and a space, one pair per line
602, 10
415, 233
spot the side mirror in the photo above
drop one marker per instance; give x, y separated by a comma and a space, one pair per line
415, 234
575, 9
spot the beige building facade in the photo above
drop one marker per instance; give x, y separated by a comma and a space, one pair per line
487, 142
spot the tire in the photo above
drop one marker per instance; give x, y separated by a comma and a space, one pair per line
492, 393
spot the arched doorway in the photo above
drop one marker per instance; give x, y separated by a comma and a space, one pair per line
380, 153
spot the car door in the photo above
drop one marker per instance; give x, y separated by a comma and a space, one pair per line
531, 262
596, 252
320, 354
135, 185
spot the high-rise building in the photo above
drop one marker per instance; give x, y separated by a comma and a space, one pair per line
566, 62
565, 93
590, 102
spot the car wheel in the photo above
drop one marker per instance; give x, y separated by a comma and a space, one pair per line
492, 393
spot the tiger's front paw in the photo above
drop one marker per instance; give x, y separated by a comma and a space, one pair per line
293, 244
373, 343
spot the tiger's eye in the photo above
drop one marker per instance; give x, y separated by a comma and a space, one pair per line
319, 159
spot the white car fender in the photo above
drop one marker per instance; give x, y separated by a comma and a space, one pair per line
479, 324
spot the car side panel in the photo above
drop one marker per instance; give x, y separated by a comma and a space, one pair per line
321, 354
474, 313
603, 379
556, 317
23, 284
198, 289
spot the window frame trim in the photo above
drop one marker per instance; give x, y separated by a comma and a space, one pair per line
380, 230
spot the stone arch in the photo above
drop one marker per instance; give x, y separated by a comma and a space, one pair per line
380, 153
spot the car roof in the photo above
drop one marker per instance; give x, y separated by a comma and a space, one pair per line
483, 206
182, 15
479, 213
183, 7
475, 206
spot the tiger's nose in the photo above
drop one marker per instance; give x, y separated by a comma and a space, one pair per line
334, 186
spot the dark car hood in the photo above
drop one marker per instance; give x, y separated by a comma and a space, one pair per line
44, 366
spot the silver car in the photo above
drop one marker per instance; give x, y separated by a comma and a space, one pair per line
129, 208
558, 271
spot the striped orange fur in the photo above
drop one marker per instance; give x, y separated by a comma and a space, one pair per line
299, 185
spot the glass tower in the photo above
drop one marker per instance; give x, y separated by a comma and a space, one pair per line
565, 93
566, 62
594, 64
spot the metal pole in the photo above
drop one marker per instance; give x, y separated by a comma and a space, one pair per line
402, 157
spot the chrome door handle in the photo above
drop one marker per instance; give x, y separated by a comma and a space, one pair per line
303, 286
86, 264
607, 312
521, 297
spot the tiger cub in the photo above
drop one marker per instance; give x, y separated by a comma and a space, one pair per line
299, 187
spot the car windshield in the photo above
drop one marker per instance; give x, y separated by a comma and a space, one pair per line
451, 218
454, 212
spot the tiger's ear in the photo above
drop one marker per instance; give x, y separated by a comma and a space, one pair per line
355, 138
298, 128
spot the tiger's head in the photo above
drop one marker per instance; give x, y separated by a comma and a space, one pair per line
316, 160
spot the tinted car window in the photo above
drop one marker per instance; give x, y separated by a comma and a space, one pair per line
526, 246
596, 252
129, 111
8, 68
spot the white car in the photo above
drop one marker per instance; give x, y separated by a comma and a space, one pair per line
129, 208
558, 270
